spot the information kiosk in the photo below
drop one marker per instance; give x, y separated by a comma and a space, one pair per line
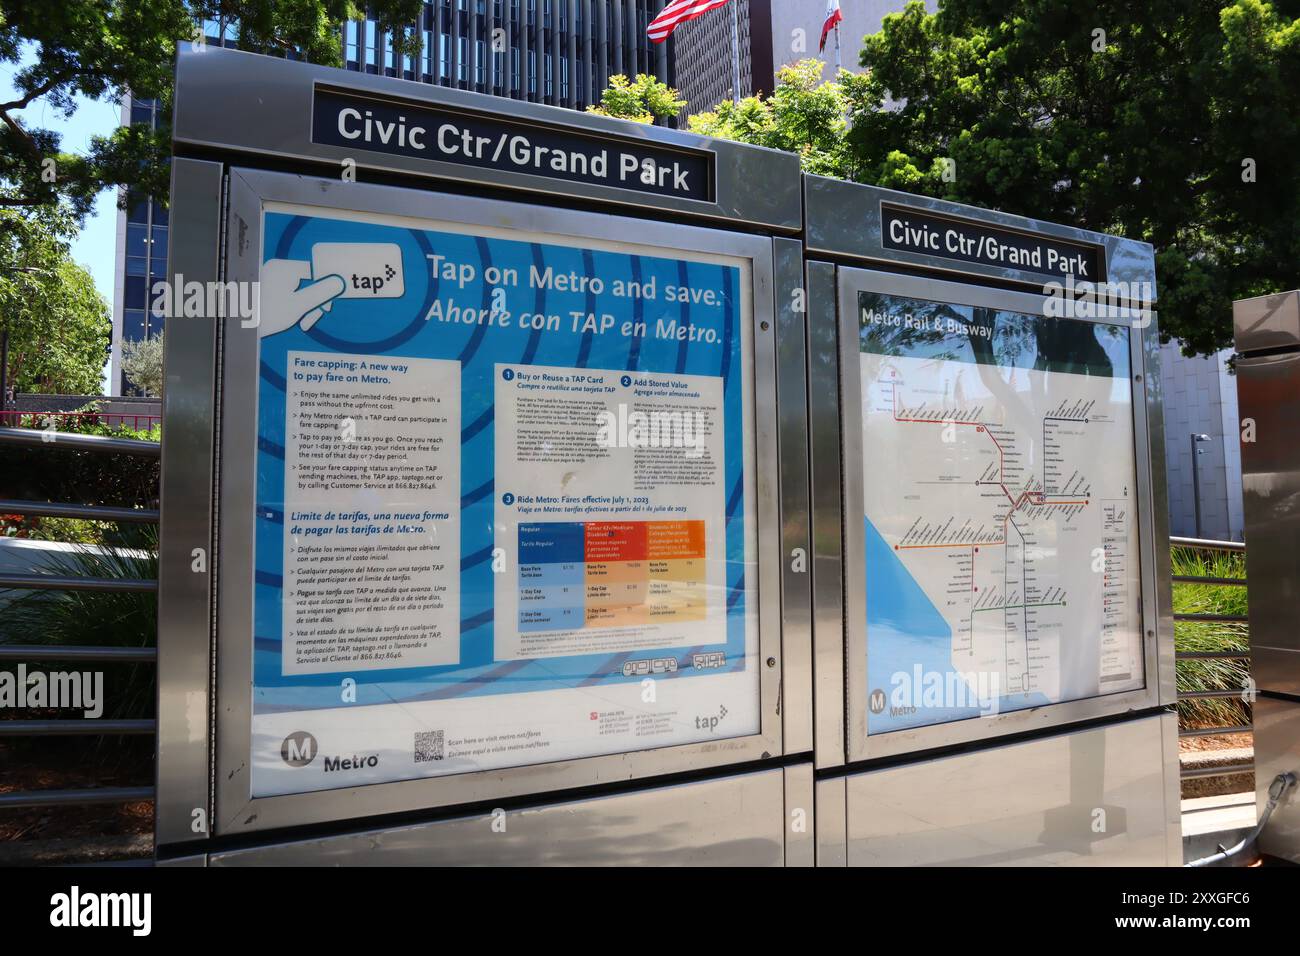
494, 528
483, 538
994, 640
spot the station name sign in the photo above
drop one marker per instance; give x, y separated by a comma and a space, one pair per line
912, 230
423, 131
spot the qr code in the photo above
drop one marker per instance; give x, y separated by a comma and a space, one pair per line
429, 746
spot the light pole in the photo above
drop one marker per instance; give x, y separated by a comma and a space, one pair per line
1196, 476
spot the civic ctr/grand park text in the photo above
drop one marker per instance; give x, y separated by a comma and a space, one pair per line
513, 149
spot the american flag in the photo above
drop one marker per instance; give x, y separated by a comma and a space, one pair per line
678, 12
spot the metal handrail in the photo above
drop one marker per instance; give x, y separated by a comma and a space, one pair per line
75, 728
1208, 544
1214, 618
1210, 694
37, 652
106, 418
1227, 770
101, 443
56, 582
47, 652
1237, 547
1213, 731
25, 799
51, 509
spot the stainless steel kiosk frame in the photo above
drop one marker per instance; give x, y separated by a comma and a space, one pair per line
977, 802
638, 800
1267, 333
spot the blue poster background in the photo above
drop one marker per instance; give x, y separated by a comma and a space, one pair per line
398, 327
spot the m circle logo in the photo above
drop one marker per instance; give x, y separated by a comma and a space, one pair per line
298, 749
876, 701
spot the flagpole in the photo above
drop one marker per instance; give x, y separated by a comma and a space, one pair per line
837, 50
735, 51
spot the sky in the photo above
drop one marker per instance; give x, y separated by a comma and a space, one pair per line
94, 247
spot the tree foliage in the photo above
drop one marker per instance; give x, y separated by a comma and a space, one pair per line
642, 100
142, 363
100, 49
804, 115
59, 326
1170, 121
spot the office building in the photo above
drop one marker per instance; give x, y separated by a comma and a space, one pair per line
773, 33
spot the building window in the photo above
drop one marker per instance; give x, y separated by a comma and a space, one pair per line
137, 208
137, 240
132, 325
352, 45
133, 293
158, 246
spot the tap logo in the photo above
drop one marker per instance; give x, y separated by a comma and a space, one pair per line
710, 722
298, 749
371, 270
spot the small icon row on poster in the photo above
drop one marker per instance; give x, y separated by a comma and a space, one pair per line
660, 665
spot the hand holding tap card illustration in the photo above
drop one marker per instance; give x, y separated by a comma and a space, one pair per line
295, 292
370, 270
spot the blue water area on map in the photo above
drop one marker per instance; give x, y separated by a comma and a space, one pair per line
906, 632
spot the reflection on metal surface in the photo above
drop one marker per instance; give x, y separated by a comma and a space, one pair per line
796, 560
827, 531
1092, 797
1268, 389
732, 821
1277, 751
1267, 322
184, 612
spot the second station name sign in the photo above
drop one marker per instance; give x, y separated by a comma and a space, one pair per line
908, 229
421, 131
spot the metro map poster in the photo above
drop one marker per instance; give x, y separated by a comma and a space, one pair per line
1002, 567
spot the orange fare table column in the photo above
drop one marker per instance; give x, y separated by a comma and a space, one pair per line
675, 550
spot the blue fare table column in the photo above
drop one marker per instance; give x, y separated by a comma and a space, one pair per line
552, 576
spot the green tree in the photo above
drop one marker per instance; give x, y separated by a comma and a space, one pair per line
58, 325
1170, 121
804, 115
642, 100
142, 362
100, 49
